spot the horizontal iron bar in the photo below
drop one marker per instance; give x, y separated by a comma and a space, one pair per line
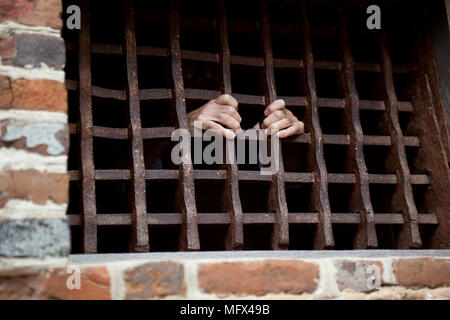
116, 49
291, 177
166, 219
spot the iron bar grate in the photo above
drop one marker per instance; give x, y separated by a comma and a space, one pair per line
369, 171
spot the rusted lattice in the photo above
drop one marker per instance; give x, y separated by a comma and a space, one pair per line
369, 171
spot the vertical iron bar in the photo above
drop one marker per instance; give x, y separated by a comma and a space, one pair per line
88, 218
324, 235
140, 240
232, 201
277, 194
409, 235
189, 239
366, 236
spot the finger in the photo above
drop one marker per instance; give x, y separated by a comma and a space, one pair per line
226, 99
228, 110
274, 117
219, 129
281, 124
297, 128
225, 119
276, 105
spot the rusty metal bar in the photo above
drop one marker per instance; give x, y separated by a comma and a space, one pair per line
189, 239
231, 200
277, 195
140, 240
366, 236
170, 219
88, 217
432, 158
409, 236
324, 234
201, 94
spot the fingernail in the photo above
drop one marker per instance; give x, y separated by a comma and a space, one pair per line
279, 134
267, 131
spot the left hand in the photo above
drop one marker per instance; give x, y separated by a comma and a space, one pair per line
281, 120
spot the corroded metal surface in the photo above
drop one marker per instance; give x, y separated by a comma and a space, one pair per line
324, 234
231, 200
189, 239
277, 195
89, 222
404, 199
403, 173
366, 236
138, 198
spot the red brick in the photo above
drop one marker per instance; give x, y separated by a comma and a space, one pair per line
7, 48
95, 285
258, 278
34, 186
422, 272
5, 93
32, 12
44, 94
155, 280
21, 287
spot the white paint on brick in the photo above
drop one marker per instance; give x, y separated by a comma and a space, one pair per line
33, 116
327, 287
15, 267
44, 72
37, 134
117, 288
191, 279
8, 28
388, 271
23, 209
16, 159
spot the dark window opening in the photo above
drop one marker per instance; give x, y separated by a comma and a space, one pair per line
122, 177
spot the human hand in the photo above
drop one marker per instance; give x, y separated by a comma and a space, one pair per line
218, 114
281, 120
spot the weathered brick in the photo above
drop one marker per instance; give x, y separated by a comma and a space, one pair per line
22, 287
155, 280
422, 272
7, 48
34, 238
361, 276
44, 138
32, 12
34, 186
258, 278
5, 93
24, 49
43, 94
95, 284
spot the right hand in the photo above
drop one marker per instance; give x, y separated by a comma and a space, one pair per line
218, 115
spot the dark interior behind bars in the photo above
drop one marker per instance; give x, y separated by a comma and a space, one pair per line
200, 42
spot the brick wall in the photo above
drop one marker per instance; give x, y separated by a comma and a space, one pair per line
236, 275
35, 238
34, 135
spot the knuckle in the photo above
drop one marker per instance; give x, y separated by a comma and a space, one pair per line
279, 113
